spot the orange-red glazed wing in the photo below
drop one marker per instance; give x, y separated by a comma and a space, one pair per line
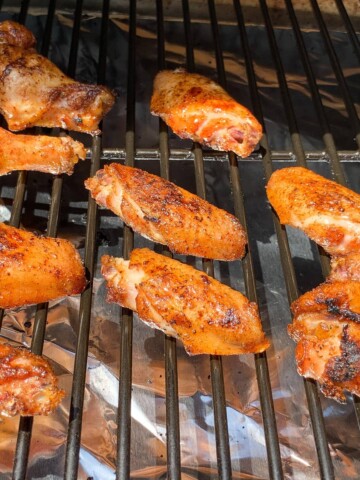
326, 211
328, 350
36, 269
38, 152
326, 326
28, 385
34, 92
167, 214
207, 316
198, 108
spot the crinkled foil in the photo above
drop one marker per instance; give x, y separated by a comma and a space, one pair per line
197, 434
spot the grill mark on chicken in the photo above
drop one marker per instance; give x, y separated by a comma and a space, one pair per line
345, 367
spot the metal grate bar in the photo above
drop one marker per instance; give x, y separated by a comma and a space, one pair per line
349, 26
171, 376
327, 136
349, 103
284, 90
288, 268
272, 441
23, 11
125, 380
77, 394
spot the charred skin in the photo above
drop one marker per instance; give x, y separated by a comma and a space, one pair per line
328, 350
326, 211
39, 153
34, 92
167, 214
207, 316
37, 269
198, 108
28, 385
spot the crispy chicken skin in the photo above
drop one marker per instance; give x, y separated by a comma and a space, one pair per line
167, 214
207, 316
326, 326
328, 350
38, 152
326, 211
34, 92
36, 269
28, 385
198, 108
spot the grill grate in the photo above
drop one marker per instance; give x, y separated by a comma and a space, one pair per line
130, 154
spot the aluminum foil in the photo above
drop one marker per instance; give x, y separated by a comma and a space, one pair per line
148, 440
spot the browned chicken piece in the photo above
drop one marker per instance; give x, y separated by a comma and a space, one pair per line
326, 326
34, 92
38, 152
207, 316
28, 386
340, 298
328, 351
326, 211
167, 214
345, 268
37, 269
198, 108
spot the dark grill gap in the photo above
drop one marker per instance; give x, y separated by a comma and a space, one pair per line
163, 153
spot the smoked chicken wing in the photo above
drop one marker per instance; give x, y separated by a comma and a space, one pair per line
326, 211
38, 152
34, 92
28, 385
207, 316
36, 269
345, 268
167, 214
326, 326
198, 108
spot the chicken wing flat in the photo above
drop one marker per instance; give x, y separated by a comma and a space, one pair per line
38, 152
34, 92
207, 316
28, 386
167, 214
36, 269
198, 108
326, 211
328, 350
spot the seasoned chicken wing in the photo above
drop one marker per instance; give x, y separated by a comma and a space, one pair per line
37, 269
326, 211
38, 152
198, 108
207, 316
28, 386
167, 214
34, 92
328, 350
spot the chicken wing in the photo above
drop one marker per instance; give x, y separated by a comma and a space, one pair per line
207, 316
36, 269
326, 211
328, 350
167, 214
198, 108
28, 386
34, 92
38, 152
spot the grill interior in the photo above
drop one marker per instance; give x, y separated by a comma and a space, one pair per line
329, 145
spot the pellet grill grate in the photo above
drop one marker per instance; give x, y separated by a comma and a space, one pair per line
128, 152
